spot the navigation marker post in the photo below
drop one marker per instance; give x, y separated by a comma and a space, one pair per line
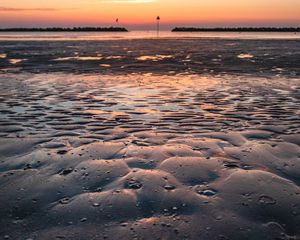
158, 21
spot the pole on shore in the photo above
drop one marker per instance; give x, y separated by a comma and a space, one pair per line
158, 21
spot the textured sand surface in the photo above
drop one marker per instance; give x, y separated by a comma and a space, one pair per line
141, 156
166, 56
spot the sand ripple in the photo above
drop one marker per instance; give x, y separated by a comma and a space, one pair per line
149, 157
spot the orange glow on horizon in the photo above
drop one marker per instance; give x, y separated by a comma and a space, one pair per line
144, 12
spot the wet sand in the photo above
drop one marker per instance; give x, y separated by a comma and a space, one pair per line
157, 56
91, 150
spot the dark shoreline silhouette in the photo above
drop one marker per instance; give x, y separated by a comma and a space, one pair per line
238, 29
75, 29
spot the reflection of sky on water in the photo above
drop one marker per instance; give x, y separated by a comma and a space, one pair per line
141, 35
143, 98
86, 58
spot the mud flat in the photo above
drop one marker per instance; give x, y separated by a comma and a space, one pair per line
256, 57
149, 155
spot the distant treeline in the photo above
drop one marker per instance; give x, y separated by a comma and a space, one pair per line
238, 29
75, 29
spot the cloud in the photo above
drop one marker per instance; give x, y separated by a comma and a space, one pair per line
10, 9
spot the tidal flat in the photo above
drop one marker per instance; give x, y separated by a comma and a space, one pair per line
150, 139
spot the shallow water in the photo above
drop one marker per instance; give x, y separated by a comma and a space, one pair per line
149, 153
142, 35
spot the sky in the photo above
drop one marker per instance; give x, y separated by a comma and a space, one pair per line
141, 14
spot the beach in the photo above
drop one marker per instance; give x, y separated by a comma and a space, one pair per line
154, 138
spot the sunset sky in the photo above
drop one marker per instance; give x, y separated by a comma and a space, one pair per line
141, 14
